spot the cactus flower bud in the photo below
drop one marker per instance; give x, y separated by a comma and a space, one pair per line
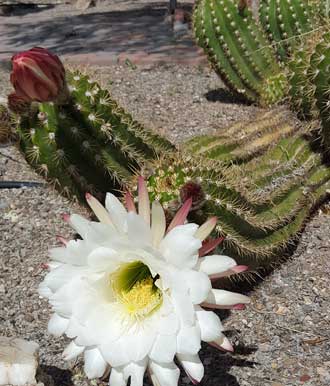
194, 191
37, 75
17, 104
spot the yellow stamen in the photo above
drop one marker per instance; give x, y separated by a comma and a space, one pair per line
134, 287
142, 299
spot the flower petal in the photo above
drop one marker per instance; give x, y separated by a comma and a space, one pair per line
192, 366
210, 325
181, 215
222, 343
209, 246
216, 263
158, 223
105, 324
139, 342
115, 353
164, 349
180, 247
103, 259
199, 285
95, 366
205, 230
79, 224
139, 232
136, 371
99, 210
189, 340
117, 212
164, 374
57, 325
130, 206
144, 203
72, 351
117, 377
226, 298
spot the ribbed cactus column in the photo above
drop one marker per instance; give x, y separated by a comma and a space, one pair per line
285, 21
257, 221
239, 50
89, 143
321, 58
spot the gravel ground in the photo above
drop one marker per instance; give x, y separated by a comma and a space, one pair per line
282, 339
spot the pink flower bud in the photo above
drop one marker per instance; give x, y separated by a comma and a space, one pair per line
37, 75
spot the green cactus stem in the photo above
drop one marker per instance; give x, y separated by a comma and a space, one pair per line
321, 58
239, 51
286, 21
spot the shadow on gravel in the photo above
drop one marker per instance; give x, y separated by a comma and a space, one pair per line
225, 96
218, 367
25, 9
59, 377
129, 31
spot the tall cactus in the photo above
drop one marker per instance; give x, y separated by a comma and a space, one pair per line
286, 21
239, 50
321, 58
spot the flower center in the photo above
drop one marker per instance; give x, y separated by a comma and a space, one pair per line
134, 287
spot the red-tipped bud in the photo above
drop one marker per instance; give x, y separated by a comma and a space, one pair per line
18, 104
37, 75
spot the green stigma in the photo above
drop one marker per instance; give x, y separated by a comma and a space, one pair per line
135, 289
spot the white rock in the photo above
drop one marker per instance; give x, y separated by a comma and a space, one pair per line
18, 361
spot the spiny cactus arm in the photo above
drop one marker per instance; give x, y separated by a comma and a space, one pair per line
269, 19
98, 103
222, 12
301, 88
322, 91
268, 249
255, 40
209, 37
259, 145
38, 140
245, 141
304, 16
285, 161
95, 153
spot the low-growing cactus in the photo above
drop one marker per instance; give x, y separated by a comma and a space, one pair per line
261, 185
89, 143
260, 178
239, 50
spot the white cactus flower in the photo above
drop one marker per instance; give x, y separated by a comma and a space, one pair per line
131, 293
